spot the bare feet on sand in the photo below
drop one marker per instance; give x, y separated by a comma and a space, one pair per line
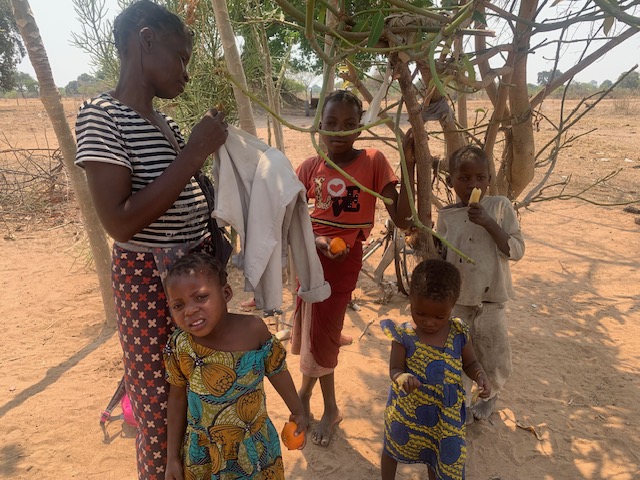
323, 431
248, 305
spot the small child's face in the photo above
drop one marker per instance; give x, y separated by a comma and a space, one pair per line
468, 175
430, 316
340, 116
197, 302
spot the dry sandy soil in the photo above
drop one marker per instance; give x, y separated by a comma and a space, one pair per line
575, 328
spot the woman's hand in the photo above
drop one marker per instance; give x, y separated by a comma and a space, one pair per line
174, 470
323, 244
208, 135
484, 385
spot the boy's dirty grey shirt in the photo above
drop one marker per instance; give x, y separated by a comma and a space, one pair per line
489, 279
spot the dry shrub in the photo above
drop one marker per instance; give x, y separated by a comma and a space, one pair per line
33, 182
626, 106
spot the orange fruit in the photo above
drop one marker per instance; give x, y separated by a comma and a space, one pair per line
337, 245
289, 438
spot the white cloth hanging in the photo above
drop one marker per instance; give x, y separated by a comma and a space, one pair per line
259, 195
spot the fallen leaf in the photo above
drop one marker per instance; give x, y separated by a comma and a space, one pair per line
529, 428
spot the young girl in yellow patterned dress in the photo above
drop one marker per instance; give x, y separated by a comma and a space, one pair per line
218, 427
424, 421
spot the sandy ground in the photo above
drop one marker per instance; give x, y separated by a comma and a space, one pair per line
575, 331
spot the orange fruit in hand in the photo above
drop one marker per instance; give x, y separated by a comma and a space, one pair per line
337, 246
289, 438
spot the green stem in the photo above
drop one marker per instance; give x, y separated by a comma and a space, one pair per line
459, 19
432, 65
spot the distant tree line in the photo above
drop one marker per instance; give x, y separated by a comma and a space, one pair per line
24, 85
630, 85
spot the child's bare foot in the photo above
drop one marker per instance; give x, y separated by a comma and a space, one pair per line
345, 340
248, 305
323, 432
306, 405
482, 409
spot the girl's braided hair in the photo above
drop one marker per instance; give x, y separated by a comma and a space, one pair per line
436, 279
343, 96
198, 262
145, 13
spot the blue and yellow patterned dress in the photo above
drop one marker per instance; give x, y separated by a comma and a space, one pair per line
229, 435
428, 425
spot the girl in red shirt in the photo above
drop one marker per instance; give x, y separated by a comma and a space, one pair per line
342, 210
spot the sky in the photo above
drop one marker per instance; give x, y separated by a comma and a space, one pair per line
56, 20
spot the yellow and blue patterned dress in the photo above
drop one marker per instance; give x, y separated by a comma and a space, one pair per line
229, 435
428, 425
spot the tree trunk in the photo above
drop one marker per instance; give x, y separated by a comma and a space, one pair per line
234, 65
423, 160
52, 102
444, 114
521, 170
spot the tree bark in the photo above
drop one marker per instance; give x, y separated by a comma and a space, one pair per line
234, 65
52, 102
521, 169
423, 160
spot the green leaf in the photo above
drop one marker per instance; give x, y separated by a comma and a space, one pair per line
608, 24
376, 29
555, 2
359, 27
477, 16
471, 71
422, 3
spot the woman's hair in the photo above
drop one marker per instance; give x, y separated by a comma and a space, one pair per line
145, 13
343, 96
437, 280
468, 153
199, 262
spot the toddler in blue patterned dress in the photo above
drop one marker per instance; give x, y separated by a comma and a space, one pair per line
424, 421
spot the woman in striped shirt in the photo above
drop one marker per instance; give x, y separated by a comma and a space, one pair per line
140, 172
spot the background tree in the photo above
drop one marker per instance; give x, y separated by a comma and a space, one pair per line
606, 84
11, 48
631, 81
71, 88
458, 48
25, 84
547, 76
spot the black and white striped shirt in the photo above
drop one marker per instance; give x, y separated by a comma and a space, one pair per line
109, 131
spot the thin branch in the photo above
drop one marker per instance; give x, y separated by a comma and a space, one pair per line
588, 60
